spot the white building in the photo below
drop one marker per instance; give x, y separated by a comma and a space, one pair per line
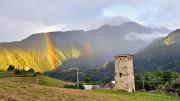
88, 87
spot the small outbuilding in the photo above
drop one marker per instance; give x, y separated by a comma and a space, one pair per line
88, 87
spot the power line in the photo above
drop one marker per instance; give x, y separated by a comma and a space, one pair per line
92, 72
93, 75
99, 73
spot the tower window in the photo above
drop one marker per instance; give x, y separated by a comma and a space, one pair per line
120, 74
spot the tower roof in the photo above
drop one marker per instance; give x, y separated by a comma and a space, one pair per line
124, 55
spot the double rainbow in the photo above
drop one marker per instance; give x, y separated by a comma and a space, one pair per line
87, 49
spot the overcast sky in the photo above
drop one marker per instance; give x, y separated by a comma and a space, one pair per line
20, 18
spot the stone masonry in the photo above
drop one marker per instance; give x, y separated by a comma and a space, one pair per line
124, 73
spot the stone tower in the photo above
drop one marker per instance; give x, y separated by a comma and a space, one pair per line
124, 73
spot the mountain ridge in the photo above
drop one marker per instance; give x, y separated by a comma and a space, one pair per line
96, 46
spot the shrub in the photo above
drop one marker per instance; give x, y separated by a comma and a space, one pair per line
70, 86
25, 73
74, 86
16, 71
173, 86
80, 86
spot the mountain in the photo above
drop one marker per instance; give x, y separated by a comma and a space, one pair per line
76, 48
163, 54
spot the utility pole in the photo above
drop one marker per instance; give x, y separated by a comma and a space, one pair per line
77, 78
143, 82
37, 78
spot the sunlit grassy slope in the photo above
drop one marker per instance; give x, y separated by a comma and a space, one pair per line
26, 89
38, 60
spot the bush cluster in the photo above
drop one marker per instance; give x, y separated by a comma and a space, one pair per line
167, 80
22, 72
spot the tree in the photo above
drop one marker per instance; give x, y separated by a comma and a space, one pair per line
11, 68
156, 79
138, 82
87, 80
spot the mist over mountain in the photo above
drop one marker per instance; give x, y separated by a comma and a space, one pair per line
162, 54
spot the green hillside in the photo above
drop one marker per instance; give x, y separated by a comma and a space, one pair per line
42, 80
24, 89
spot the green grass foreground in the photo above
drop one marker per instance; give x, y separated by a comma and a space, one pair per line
139, 96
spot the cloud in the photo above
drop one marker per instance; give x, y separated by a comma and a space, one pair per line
122, 10
148, 12
98, 22
146, 37
20, 9
14, 30
30, 15
50, 28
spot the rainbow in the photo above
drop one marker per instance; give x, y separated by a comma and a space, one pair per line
51, 51
87, 50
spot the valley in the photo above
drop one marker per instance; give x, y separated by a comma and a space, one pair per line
89, 50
